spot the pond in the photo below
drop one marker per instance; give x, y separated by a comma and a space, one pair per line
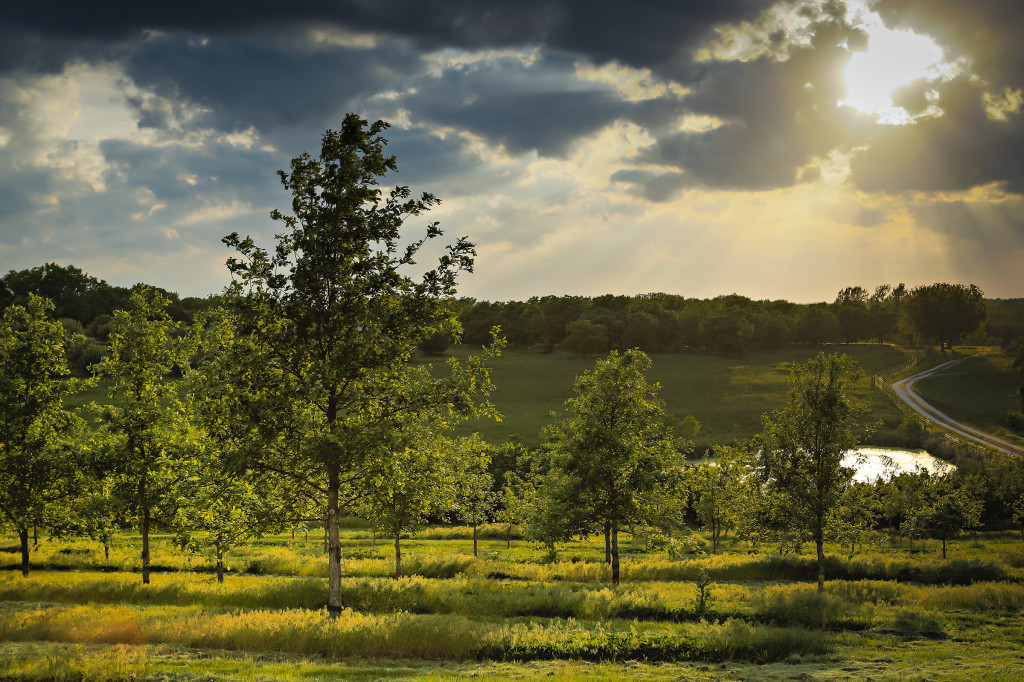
872, 463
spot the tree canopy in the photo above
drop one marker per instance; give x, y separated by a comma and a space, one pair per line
337, 317
612, 450
801, 448
945, 313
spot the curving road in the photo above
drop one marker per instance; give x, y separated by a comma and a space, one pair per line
904, 389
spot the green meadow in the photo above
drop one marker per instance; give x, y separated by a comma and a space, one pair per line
889, 612
726, 395
893, 610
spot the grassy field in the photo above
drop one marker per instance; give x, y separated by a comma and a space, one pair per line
889, 612
726, 395
729, 395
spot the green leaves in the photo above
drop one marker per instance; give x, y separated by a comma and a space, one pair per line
801, 448
612, 451
37, 456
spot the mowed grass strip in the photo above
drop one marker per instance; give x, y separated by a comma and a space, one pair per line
845, 604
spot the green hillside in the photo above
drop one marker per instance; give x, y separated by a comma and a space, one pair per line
726, 395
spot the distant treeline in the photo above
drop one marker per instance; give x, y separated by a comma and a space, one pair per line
729, 325
85, 305
732, 325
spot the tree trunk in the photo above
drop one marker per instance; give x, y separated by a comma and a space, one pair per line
820, 545
508, 538
607, 541
220, 558
398, 554
106, 550
145, 544
943, 546
35, 536
333, 544
615, 552
474, 539
327, 532
23, 536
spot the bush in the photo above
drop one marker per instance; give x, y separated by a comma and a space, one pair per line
802, 607
1015, 421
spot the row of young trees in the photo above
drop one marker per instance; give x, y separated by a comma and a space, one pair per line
613, 462
297, 402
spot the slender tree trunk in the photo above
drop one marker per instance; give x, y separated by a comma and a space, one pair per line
508, 538
220, 558
35, 536
943, 546
327, 532
474, 539
398, 554
333, 544
607, 541
819, 543
106, 550
145, 544
615, 552
293, 534
23, 536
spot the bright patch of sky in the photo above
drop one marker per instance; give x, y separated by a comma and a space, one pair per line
893, 59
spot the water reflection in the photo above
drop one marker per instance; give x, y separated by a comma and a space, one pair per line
873, 463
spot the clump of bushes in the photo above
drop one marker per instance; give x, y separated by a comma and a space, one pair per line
733, 640
1015, 421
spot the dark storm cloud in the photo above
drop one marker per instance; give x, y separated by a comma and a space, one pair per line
429, 163
963, 148
520, 106
777, 116
638, 34
228, 171
266, 84
250, 64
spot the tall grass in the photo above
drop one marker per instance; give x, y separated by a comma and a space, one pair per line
758, 568
402, 635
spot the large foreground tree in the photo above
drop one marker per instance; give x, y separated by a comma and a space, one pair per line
337, 316
801, 449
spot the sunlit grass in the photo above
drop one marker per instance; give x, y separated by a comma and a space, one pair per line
399, 635
509, 605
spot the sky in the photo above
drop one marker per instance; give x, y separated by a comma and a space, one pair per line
771, 149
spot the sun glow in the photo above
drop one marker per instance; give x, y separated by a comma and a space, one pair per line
892, 59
